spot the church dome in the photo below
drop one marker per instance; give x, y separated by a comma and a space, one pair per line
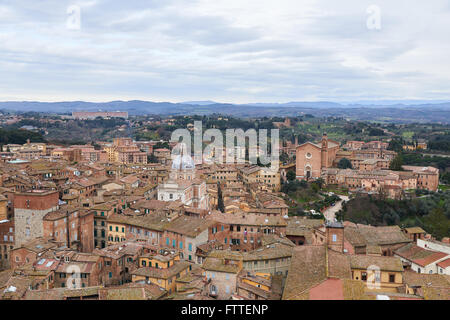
182, 160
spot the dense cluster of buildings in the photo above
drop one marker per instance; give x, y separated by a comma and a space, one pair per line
89, 115
87, 222
369, 171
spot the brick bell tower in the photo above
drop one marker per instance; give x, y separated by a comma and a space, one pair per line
324, 151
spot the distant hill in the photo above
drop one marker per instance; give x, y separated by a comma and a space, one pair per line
399, 112
200, 103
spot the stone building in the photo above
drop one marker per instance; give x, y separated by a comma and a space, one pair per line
29, 210
221, 269
183, 184
6, 242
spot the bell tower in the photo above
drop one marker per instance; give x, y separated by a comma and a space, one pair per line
324, 151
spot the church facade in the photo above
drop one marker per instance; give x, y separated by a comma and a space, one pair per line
182, 183
312, 158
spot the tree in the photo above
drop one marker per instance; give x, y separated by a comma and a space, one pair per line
320, 182
396, 144
397, 163
220, 204
284, 157
437, 223
344, 163
376, 132
291, 176
161, 145
152, 158
445, 178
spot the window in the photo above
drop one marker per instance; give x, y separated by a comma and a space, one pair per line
190, 246
364, 276
334, 238
392, 278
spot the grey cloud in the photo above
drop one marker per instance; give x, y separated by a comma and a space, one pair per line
176, 50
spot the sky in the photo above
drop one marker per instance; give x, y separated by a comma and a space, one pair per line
236, 51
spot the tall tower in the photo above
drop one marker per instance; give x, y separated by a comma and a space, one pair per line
29, 210
324, 151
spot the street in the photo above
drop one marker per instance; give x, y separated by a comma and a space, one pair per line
331, 211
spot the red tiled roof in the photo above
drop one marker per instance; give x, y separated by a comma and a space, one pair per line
444, 264
430, 259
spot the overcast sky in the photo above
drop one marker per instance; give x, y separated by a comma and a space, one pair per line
224, 50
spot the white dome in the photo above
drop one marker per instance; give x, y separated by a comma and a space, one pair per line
181, 160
